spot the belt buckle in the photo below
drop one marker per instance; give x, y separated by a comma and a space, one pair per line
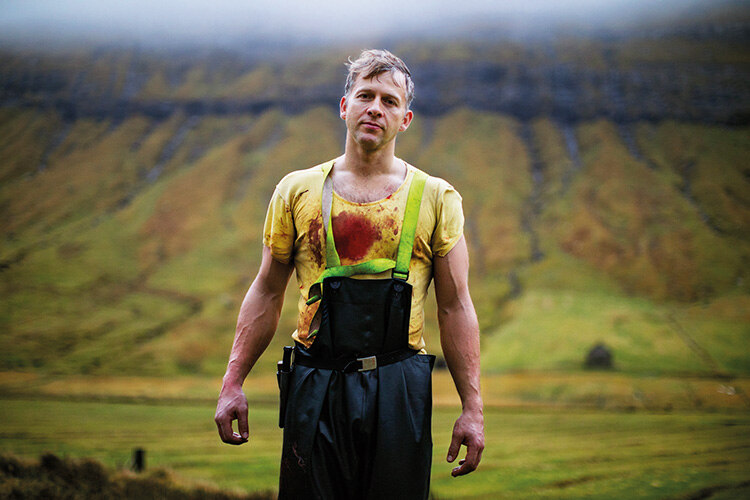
368, 364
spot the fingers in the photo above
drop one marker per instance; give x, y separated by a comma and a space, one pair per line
455, 445
242, 426
232, 405
227, 434
469, 434
225, 428
470, 463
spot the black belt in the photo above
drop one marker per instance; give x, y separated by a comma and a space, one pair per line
358, 364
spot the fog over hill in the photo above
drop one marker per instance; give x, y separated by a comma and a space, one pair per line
681, 60
229, 24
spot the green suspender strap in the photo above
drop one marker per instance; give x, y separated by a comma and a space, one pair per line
406, 243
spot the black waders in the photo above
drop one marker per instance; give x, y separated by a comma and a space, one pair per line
358, 402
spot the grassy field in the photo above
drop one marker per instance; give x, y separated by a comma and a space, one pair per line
585, 435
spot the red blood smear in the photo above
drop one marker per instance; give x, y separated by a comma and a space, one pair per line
313, 235
353, 235
391, 223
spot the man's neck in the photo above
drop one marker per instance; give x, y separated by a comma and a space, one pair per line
367, 163
364, 176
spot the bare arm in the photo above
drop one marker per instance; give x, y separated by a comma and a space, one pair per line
256, 324
459, 337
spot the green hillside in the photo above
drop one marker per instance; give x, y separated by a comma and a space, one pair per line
127, 246
605, 184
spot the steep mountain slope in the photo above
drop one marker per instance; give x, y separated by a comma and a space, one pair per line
133, 189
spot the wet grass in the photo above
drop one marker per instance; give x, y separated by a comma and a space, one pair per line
531, 453
549, 435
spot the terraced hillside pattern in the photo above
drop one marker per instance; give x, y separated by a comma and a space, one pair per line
606, 187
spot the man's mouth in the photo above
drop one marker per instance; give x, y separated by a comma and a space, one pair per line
371, 125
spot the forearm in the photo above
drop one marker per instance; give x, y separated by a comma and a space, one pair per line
258, 318
459, 337
256, 325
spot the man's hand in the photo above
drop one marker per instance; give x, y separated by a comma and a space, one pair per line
232, 406
469, 431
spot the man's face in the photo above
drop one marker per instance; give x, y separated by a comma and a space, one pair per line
375, 109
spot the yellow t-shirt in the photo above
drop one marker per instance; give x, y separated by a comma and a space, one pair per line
362, 231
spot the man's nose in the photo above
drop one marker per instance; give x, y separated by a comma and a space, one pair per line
375, 109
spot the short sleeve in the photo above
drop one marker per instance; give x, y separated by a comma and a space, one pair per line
278, 230
449, 224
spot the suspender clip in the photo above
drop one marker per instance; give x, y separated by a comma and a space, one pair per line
400, 275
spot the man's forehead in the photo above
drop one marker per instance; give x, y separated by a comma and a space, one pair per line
394, 78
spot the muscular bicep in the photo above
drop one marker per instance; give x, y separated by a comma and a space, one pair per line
273, 276
451, 276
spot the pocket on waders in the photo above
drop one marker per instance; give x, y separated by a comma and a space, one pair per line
367, 316
356, 312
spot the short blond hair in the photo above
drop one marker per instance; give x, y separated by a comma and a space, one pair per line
373, 62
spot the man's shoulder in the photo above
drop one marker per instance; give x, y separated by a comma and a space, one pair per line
435, 187
298, 182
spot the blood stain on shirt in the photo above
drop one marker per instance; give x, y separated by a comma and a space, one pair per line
392, 225
313, 235
354, 235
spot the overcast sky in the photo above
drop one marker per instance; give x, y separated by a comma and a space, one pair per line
176, 20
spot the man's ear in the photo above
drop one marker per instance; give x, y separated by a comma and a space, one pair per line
342, 108
406, 121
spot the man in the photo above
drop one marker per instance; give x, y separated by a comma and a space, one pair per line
365, 233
